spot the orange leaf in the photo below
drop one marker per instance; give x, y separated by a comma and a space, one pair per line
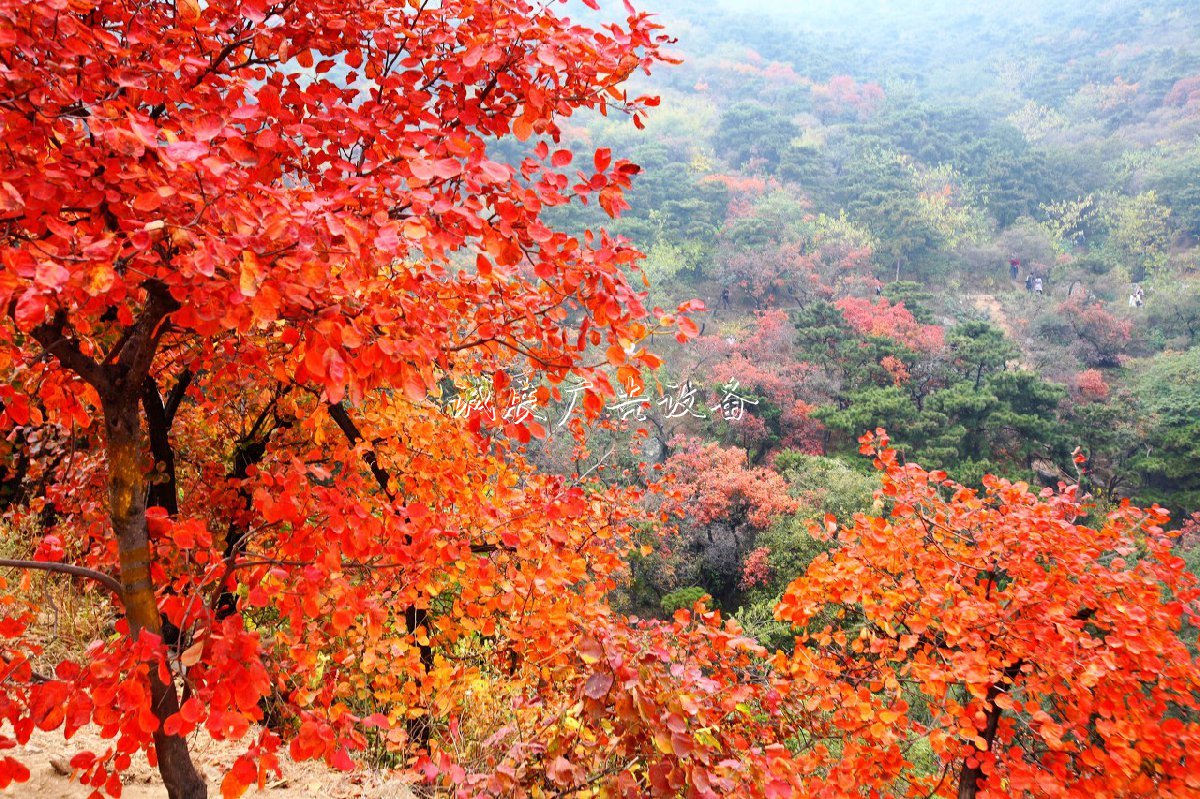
522, 128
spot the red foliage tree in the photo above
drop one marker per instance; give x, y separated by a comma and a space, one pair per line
1091, 386
775, 276
883, 319
715, 483
714, 505
1185, 92
763, 361
756, 570
1036, 655
844, 96
1101, 337
245, 248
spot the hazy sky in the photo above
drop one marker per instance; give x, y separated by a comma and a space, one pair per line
781, 6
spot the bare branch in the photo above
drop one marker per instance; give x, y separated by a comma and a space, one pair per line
65, 568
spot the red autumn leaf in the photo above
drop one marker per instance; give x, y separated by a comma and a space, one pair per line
560, 771
208, 127
341, 761
496, 173
522, 128
598, 685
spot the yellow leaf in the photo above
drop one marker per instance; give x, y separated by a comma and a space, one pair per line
414, 230
250, 273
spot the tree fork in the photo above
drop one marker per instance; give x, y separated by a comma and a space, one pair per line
249, 452
119, 380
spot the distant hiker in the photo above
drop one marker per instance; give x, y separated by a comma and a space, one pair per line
1014, 268
1133, 300
1037, 285
725, 297
1138, 296
878, 287
1029, 282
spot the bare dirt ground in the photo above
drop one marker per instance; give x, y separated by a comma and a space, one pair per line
48, 757
991, 307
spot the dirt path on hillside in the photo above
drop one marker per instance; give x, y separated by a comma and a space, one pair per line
48, 757
990, 306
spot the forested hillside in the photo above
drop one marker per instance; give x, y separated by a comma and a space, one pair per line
868, 205
756, 399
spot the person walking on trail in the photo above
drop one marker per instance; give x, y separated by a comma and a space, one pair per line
878, 288
1014, 268
1037, 285
1029, 282
725, 297
1138, 296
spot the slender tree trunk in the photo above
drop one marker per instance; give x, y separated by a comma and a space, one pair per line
163, 491
248, 453
970, 776
127, 507
160, 414
414, 617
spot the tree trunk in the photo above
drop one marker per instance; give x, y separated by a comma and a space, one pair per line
164, 491
127, 507
415, 618
969, 777
248, 453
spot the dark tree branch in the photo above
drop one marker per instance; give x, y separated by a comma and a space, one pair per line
34, 675
171, 404
250, 450
414, 617
134, 353
968, 782
65, 568
342, 418
163, 491
55, 339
